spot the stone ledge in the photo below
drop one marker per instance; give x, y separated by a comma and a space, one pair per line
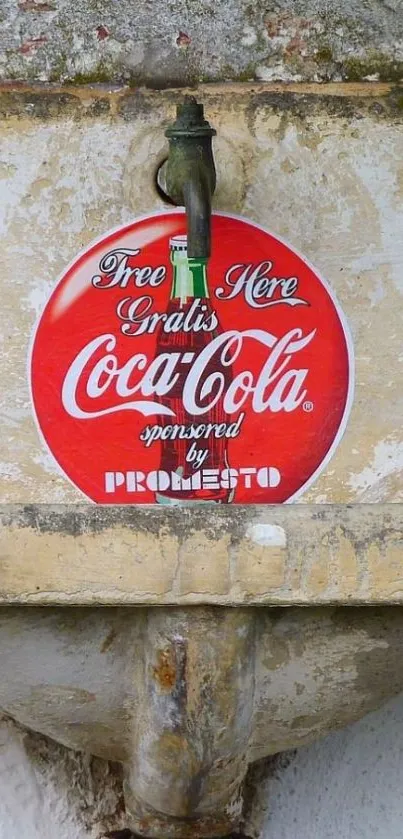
101, 101
281, 555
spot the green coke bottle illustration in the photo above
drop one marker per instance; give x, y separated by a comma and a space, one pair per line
194, 451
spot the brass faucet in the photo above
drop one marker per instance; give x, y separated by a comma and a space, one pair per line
190, 172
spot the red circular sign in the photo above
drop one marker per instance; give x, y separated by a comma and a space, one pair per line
161, 378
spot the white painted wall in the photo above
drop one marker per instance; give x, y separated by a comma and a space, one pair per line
50, 792
347, 786
32, 805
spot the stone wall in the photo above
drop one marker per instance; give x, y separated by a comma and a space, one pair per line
165, 44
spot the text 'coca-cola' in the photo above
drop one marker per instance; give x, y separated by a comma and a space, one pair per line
160, 378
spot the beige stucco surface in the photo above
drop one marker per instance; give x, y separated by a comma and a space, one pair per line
322, 171
317, 165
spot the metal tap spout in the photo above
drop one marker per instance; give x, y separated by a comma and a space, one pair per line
190, 173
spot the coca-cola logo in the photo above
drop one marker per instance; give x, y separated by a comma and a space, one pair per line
158, 378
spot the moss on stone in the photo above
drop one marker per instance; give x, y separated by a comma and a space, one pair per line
246, 75
324, 54
386, 69
99, 75
96, 77
59, 69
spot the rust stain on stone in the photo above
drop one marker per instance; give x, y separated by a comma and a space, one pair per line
32, 44
165, 671
102, 33
183, 40
34, 6
286, 23
108, 641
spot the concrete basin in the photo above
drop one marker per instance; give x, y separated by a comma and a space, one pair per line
189, 685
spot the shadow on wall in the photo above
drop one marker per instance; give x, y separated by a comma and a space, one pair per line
346, 786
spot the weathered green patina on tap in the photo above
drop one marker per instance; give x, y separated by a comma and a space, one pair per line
190, 172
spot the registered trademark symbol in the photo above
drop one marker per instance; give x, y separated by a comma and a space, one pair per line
308, 406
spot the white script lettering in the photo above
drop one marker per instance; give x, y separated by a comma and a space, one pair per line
277, 387
257, 286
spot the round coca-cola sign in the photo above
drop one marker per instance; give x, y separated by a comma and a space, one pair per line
160, 378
